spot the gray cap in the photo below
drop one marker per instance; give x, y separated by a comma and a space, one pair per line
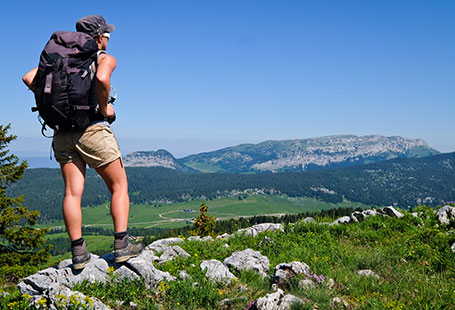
94, 25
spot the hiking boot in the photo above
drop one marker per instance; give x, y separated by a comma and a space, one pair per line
80, 256
124, 249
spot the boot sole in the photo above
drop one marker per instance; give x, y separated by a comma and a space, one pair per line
79, 266
121, 259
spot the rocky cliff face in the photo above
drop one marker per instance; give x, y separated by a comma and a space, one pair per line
309, 154
160, 158
290, 155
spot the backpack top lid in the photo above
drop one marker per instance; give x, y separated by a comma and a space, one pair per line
66, 43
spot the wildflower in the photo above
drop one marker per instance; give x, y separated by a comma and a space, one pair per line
110, 269
178, 304
195, 254
26, 296
42, 301
220, 292
89, 300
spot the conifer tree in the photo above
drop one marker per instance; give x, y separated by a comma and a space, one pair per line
21, 244
204, 225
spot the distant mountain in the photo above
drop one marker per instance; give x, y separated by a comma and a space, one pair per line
160, 158
308, 154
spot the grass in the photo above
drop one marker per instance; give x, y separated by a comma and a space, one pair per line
412, 257
173, 216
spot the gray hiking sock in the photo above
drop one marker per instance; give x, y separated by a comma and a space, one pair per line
79, 249
120, 242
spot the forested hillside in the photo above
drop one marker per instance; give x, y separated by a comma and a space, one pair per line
404, 182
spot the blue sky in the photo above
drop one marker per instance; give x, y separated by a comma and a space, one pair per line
195, 76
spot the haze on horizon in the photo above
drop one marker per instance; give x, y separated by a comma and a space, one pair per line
199, 76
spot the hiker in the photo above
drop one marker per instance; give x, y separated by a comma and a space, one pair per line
95, 146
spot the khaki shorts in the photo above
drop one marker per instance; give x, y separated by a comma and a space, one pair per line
97, 146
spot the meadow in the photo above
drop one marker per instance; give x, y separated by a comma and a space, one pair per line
173, 215
411, 257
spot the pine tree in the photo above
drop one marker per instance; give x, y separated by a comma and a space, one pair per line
21, 244
204, 225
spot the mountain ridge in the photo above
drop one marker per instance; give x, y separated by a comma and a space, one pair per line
292, 154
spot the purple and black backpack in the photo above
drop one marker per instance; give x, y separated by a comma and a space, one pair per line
63, 83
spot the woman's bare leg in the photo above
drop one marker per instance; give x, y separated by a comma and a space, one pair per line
74, 178
114, 176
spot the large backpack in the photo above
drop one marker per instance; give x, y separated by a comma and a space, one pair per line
64, 80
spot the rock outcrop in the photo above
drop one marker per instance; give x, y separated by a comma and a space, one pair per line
277, 301
216, 271
446, 215
248, 260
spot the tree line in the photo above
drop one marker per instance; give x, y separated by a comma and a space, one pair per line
402, 182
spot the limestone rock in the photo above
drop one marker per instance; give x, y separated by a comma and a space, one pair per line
284, 272
341, 220
446, 215
308, 220
254, 230
330, 283
337, 303
95, 270
143, 266
277, 301
306, 284
216, 271
58, 294
358, 216
124, 272
184, 275
223, 236
267, 227
171, 252
158, 245
248, 260
367, 273
390, 211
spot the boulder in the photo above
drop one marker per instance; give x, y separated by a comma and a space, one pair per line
285, 272
367, 273
248, 260
338, 303
308, 220
143, 266
158, 245
58, 294
341, 220
95, 270
223, 236
171, 252
453, 247
124, 272
361, 215
267, 227
390, 211
184, 275
306, 284
277, 301
254, 230
446, 215
216, 271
